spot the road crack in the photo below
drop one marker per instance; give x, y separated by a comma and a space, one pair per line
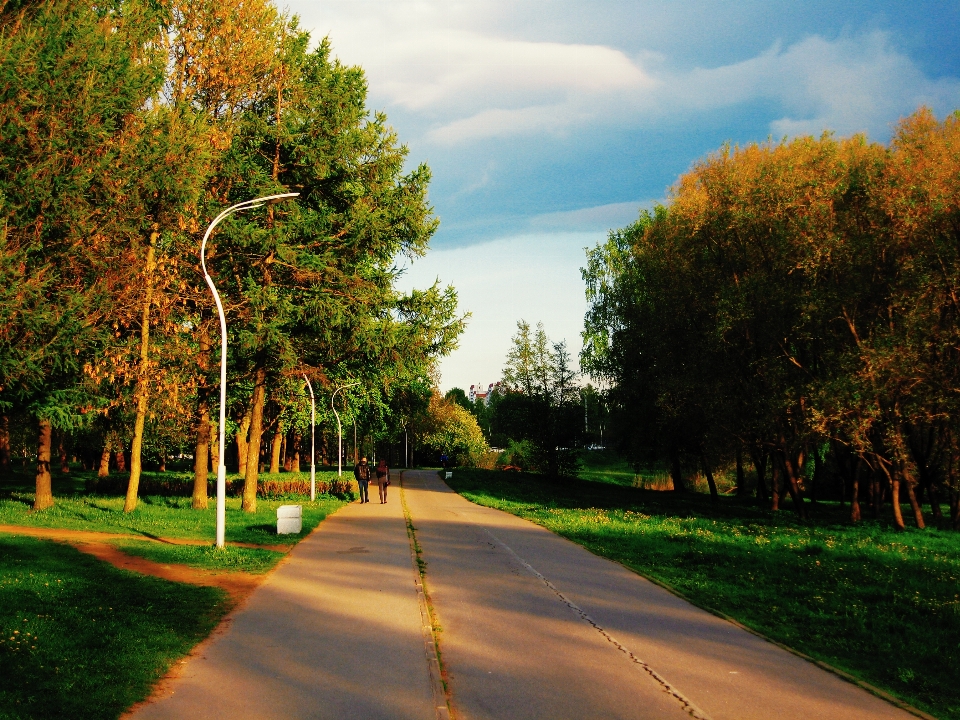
687, 704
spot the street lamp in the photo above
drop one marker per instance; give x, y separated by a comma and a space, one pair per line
221, 467
339, 428
313, 452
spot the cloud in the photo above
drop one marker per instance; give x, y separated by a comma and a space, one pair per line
853, 84
848, 85
599, 218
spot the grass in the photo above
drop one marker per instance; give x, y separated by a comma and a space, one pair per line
207, 557
82, 639
879, 604
605, 466
155, 516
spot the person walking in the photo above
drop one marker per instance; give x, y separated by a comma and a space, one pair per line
383, 479
361, 472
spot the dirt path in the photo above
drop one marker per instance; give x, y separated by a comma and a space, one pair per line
238, 584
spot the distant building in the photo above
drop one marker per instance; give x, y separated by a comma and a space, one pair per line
476, 395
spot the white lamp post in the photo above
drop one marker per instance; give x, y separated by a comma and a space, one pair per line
339, 428
313, 452
221, 467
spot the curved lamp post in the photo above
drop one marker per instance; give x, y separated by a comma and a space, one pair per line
339, 428
221, 467
313, 452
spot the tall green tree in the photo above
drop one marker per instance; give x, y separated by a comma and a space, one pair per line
75, 76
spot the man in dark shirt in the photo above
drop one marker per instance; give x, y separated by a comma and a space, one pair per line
362, 473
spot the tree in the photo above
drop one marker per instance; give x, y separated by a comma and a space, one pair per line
541, 403
450, 429
75, 77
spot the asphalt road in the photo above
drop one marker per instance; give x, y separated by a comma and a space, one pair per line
534, 626
334, 632
531, 626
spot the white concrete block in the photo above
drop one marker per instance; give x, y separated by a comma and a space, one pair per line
289, 519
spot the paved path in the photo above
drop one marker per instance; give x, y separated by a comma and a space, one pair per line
334, 632
533, 626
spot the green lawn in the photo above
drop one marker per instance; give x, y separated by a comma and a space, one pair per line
156, 516
879, 604
84, 640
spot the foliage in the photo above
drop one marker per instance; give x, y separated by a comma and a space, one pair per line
540, 403
877, 603
451, 430
792, 297
163, 115
69, 613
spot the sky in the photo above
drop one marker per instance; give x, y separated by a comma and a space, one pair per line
547, 123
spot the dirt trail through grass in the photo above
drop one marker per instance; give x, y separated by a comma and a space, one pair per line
237, 584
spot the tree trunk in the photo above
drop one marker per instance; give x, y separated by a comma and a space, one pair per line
104, 470
955, 509
741, 477
62, 453
855, 493
201, 455
792, 465
911, 483
676, 472
249, 503
121, 459
817, 470
4, 444
295, 463
44, 495
142, 392
284, 454
934, 496
276, 444
214, 446
760, 465
242, 444
875, 499
774, 482
895, 501
709, 475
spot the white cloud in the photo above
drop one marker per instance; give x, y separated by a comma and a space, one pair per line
458, 67
849, 85
858, 84
598, 218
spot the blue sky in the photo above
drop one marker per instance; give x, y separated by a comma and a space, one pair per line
548, 122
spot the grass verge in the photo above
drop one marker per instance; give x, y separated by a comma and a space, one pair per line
83, 640
207, 557
881, 605
158, 516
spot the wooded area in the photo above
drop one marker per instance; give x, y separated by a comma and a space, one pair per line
795, 304
126, 127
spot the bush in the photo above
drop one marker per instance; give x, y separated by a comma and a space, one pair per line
182, 487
